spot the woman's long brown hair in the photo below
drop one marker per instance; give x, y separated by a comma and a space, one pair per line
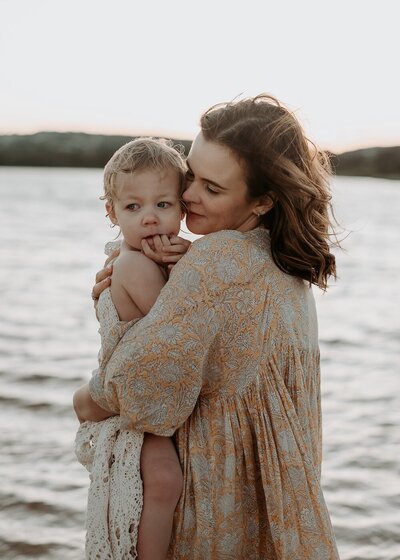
282, 163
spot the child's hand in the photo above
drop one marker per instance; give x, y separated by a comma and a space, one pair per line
165, 250
175, 251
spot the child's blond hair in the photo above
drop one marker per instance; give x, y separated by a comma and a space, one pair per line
140, 155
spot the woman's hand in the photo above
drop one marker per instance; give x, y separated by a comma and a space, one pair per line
103, 277
165, 250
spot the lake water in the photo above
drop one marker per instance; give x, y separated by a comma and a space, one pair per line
52, 234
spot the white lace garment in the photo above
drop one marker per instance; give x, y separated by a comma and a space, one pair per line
111, 454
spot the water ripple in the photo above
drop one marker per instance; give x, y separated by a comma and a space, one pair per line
49, 343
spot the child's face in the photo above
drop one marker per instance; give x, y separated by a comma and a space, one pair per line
147, 204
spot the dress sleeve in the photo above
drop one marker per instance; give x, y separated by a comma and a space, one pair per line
155, 374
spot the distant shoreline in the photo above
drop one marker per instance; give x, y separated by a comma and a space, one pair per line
79, 149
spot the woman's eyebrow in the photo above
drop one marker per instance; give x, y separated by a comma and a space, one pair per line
205, 178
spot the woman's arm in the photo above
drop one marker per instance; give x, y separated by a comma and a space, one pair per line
155, 375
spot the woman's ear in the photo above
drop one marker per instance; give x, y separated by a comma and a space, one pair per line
111, 213
265, 204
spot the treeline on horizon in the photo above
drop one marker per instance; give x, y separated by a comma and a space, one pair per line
79, 149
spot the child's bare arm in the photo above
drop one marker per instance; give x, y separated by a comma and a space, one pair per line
137, 282
164, 250
86, 408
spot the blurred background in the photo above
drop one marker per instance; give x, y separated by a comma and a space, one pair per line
78, 79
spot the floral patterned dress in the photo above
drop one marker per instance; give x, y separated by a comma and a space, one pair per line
228, 360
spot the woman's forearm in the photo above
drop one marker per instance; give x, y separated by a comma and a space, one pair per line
86, 408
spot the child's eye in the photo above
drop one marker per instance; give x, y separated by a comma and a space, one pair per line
164, 204
133, 206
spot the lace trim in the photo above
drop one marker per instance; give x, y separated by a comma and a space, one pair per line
111, 454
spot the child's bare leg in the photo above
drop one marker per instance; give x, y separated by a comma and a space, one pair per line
162, 487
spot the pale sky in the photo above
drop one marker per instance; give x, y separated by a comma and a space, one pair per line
152, 66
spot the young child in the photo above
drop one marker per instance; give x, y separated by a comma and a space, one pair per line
143, 183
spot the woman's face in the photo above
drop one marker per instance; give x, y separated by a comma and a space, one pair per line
216, 190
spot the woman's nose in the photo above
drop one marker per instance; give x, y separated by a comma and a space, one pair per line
190, 193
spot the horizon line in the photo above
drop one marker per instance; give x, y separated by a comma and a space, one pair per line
176, 135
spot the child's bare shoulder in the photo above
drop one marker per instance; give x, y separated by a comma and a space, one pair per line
135, 266
138, 277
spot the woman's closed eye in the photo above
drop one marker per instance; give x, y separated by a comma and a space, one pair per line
211, 188
189, 177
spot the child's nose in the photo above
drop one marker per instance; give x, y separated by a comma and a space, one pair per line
150, 218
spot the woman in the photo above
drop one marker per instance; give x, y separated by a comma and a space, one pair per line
227, 360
